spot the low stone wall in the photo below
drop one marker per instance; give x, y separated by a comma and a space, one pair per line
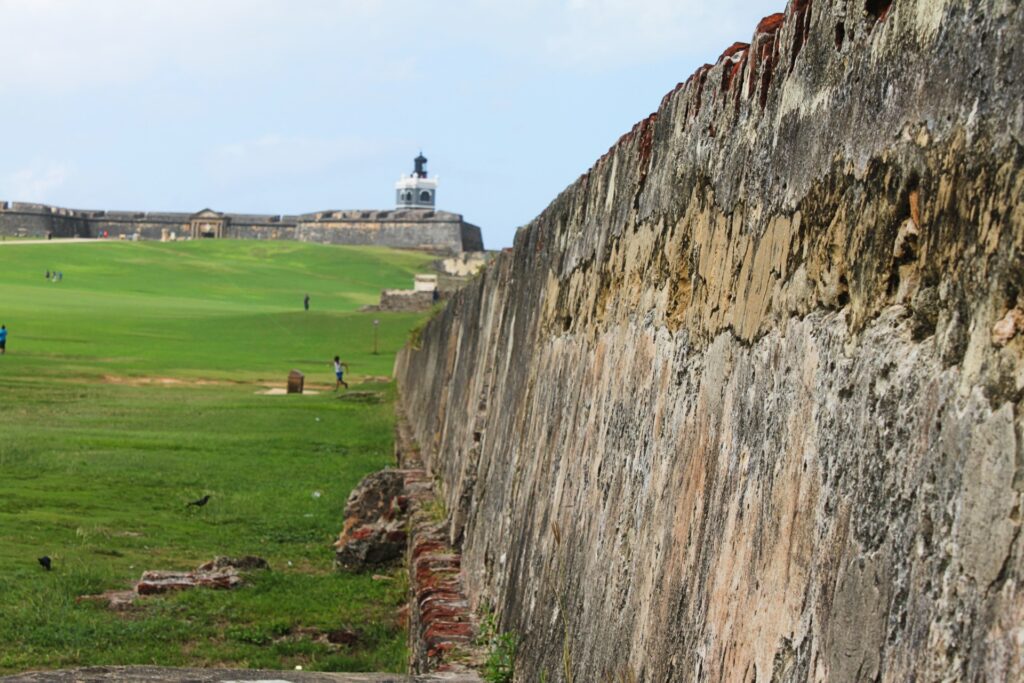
405, 300
442, 627
401, 506
745, 401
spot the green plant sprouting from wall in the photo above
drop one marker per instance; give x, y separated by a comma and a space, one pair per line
415, 340
436, 510
499, 667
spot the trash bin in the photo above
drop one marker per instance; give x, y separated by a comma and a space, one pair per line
296, 380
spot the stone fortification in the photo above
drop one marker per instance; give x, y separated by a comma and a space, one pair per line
438, 231
744, 403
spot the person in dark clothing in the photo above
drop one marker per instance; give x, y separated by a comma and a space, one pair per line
305, 302
3, 339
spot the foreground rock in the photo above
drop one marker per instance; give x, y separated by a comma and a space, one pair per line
219, 573
376, 517
154, 582
744, 403
246, 563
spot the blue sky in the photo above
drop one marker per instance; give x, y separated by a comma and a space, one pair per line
290, 106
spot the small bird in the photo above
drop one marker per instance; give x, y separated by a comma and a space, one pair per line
201, 502
45, 562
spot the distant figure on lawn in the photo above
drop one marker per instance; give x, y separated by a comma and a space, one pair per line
305, 302
47, 275
45, 562
338, 365
3, 339
201, 502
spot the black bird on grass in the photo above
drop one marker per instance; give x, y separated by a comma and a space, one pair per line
201, 502
45, 562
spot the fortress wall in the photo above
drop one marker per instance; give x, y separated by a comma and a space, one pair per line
263, 230
744, 402
443, 234
37, 221
148, 228
472, 239
431, 231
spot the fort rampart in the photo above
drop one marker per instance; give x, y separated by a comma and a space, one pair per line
437, 231
744, 402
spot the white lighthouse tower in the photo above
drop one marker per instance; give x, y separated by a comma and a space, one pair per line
416, 191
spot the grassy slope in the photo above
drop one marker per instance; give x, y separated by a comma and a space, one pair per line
201, 309
96, 474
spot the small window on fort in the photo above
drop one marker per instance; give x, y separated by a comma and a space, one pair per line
424, 196
407, 196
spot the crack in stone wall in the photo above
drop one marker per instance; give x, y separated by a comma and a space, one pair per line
744, 402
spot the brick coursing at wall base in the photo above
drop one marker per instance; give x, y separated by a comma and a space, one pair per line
744, 402
436, 231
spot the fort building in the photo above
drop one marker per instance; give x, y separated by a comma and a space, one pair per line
413, 224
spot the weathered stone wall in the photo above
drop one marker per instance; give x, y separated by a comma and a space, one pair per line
406, 300
436, 231
428, 230
744, 403
36, 220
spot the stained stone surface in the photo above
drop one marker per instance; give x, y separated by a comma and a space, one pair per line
375, 531
744, 402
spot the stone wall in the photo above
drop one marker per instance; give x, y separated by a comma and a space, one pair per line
36, 220
436, 231
408, 229
405, 300
744, 403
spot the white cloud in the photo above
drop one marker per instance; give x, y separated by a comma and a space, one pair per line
35, 183
76, 44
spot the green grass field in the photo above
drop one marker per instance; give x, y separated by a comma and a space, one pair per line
130, 388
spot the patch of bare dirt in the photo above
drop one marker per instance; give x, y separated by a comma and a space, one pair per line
163, 381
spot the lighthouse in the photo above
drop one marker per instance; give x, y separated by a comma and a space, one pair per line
416, 191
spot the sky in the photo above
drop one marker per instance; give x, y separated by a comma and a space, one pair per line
293, 106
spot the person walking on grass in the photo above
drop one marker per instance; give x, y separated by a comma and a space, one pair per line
338, 365
3, 339
305, 302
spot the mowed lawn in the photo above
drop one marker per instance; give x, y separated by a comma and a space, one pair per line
210, 309
130, 388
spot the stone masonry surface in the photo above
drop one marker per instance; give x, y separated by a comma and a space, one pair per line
744, 402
